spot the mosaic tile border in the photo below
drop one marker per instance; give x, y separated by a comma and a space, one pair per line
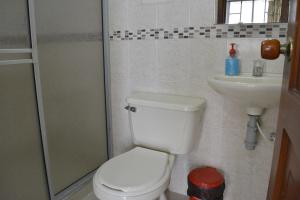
276, 30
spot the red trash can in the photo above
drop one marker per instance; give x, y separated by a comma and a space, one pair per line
205, 183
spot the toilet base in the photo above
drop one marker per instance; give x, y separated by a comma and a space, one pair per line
163, 196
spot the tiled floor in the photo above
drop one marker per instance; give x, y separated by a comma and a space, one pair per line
86, 193
175, 196
90, 196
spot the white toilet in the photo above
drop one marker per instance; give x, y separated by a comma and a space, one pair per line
162, 127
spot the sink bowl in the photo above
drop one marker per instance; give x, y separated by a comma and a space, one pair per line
255, 93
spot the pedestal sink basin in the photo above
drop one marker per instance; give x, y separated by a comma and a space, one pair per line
255, 93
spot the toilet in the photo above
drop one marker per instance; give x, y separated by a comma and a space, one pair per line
162, 127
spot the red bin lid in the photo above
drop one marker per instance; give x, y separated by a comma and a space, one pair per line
206, 178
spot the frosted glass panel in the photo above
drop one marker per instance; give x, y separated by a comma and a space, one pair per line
22, 174
71, 62
22, 170
14, 24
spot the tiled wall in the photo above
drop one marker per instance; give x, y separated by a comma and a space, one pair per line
182, 66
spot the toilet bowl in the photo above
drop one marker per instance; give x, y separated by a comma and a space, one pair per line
162, 126
139, 174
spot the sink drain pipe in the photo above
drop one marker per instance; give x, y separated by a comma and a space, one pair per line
252, 129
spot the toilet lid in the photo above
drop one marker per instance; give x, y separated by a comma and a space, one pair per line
135, 170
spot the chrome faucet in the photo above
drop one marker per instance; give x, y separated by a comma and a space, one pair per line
258, 68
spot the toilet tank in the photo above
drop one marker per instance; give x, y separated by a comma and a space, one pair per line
165, 122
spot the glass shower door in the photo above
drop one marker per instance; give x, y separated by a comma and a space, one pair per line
22, 170
72, 76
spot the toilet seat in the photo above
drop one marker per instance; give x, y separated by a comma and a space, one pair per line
135, 175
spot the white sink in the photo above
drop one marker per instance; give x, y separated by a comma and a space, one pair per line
255, 93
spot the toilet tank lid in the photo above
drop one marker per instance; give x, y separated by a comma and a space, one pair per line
167, 101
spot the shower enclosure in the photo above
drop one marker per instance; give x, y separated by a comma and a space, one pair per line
53, 124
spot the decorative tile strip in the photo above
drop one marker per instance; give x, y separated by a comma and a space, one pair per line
276, 30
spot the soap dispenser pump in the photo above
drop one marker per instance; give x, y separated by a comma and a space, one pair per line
232, 67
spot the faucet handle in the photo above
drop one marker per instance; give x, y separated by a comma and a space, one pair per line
271, 49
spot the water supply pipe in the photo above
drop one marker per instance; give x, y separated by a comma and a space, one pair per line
253, 128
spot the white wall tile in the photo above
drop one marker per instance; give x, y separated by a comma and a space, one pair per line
141, 15
119, 68
173, 60
154, 1
173, 14
118, 14
198, 12
183, 67
179, 173
119, 60
143, 62
204, 62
